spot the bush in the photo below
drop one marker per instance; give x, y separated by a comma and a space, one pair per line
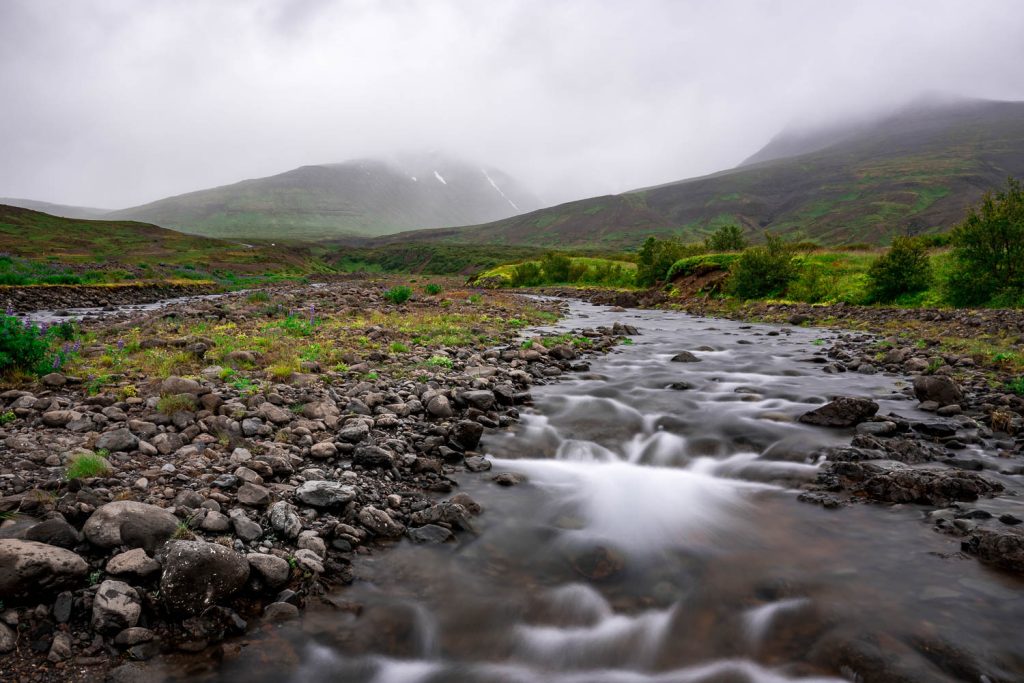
726, 238
988, 250
904, 269
440, 362
527, 275
175, 403
398, 295
763, 271
656, 257
705, 263
433, 289
22, 347
556, 267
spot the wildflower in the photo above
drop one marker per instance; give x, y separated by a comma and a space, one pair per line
9, 311
120, 345
56, 363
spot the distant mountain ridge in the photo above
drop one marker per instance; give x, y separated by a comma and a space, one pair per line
364, 197
62, 210
915, 170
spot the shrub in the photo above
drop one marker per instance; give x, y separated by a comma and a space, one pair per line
726, 238
527, 274
556, 267
7, 417
86, 466
398, 347
440, 362
22, 347
175, 403
763, 270
398, 295
988, 249
433, 289
904, 269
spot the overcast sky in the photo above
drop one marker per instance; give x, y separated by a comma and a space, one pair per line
113, 103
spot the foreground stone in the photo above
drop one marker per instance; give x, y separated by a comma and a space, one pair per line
845, 411
29, 569
128, 522
198, 575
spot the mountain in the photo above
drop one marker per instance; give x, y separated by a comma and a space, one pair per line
361, 197
55, 209
915, 170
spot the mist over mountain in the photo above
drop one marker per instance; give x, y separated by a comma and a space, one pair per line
365, 197
914, 170
61, 210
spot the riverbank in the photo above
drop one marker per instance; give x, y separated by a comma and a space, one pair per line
22, 299
195, 473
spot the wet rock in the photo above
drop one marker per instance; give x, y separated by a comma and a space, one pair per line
685, 357
939, 428
131, 523
115, 607
29, 568
273, 571
380, 522
938, 388
845, 411
430, 533
899, 484
597, 563
466, 434
477, 463
117, 440
277, 612
508, 479
445, 512
324, 494
1003, 547
198, 575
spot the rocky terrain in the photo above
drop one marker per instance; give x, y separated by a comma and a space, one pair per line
143, 513
58, 297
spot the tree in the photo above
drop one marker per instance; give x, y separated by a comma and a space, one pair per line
726, 238
556, 267
904, 269
988, 249
655, 258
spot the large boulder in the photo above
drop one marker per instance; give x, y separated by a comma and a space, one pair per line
116, 607
198, 575
1002, 548
465, 434
131, 523
117, 440
845, 411
939, 388
29, 569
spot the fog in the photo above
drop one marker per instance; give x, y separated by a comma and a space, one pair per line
116, 103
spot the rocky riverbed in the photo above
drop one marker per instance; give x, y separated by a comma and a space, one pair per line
67, 297
229, 497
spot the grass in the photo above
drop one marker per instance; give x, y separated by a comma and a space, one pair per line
175, 403
440, 362
586, 269
87, 466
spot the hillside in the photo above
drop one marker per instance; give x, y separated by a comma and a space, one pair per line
916, 171
62, 210
362, 197
33, 235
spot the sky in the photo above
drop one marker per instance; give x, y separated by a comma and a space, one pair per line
114, 103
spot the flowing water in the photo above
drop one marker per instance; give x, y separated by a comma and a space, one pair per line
658, 538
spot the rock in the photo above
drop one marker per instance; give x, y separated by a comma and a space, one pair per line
477, 463
135, 562
53, 379
1003, 547
60, 648
354, 432
323, 450
62, 607
284, 521
324, 494
29, 569
54, 531
901, 484
272, 570
133, 636
372, 457
310, 540
60, 418
308, 561
117, 440
380, 522
508, 479
174, 385
440, 407
466, 434
685, 357
277, 612
131, 523
939, 428
845, 411
253, 495
943, 390
430, 533
215, 522
467, 502
279, 416
480, 399
245, 528
799, 319
8, 639
115, 607
445, 512
198, 575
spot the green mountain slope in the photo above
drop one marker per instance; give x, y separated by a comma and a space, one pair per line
62, 210
364, 197
914, 171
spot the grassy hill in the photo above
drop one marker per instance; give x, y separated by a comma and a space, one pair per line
99, 245
914, 171
363, 197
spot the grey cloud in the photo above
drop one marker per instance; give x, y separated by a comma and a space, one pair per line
114, 102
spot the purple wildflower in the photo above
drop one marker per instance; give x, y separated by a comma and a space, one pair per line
56, 363
120, 344
10, 310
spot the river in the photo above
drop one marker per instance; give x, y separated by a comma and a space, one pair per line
657, 537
